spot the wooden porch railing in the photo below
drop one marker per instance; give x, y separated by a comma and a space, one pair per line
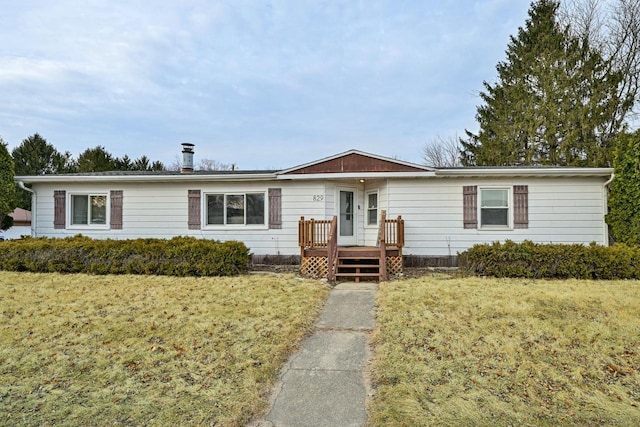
332, 250
313, 233
321, 234
393, 231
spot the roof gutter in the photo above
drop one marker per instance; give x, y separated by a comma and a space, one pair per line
357, 175
510, 172
34, 211
605, 209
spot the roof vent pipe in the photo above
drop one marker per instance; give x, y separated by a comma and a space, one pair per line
187, 157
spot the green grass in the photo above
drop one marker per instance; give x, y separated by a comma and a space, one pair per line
476, 352
140, 350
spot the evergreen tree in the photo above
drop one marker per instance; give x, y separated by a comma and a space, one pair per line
624, 209
96, 159
553, 104
35, 156
8, 200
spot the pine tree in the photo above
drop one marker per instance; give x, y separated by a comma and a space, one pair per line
553, 103
7, 186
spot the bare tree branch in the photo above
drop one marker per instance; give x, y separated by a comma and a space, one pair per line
442, 152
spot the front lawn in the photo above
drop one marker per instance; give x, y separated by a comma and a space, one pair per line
142, 350
475, 351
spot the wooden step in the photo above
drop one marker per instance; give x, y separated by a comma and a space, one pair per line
358, 265
357, 274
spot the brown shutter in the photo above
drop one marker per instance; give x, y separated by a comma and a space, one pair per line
470, 206
275, 208
194, 209
59, 209
116, 209
520, 206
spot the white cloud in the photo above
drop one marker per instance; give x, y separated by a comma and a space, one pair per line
251, 74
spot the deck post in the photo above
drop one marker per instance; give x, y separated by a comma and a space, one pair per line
332, 249
382, 235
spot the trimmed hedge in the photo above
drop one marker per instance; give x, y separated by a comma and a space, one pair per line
557, 261
180, 256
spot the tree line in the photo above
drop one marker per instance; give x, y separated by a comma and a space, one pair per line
35, 156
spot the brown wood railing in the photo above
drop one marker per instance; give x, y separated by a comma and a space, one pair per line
332, 249
394, 232
313, 233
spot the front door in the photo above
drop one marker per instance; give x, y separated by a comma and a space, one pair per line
346, 217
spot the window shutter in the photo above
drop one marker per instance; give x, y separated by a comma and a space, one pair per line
470, 206
194, 209
59, 209
275, 208
520, 206
116, 209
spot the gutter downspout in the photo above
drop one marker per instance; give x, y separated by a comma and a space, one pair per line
605, 207
34, 211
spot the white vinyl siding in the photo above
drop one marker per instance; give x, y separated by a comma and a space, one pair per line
560, 210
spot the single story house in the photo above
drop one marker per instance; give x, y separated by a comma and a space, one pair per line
352, 200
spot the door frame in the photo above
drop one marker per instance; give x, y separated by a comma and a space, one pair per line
348, 240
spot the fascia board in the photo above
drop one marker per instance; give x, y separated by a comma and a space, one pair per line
525, 172
54, 179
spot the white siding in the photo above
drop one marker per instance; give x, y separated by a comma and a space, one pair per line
160, 210
561, 210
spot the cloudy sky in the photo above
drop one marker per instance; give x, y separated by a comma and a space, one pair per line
263, 84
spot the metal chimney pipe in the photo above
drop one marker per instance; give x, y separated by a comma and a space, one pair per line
187, 157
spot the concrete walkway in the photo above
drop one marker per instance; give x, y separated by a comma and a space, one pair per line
323, 384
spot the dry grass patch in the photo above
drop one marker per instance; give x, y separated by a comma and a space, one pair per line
475, 351
140, 350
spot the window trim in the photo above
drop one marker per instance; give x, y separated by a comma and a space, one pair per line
224, 225
88, 226
509, 208
366, 213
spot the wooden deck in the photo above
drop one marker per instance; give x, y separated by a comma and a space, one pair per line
322, 257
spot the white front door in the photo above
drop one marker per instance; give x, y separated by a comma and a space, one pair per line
347, 221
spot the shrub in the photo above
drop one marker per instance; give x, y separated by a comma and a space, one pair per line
180, 256
533, 260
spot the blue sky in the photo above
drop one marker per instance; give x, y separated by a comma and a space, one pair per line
263, 84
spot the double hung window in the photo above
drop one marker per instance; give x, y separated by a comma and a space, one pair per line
494, 207
372, 208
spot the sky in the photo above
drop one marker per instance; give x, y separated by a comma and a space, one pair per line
262, 84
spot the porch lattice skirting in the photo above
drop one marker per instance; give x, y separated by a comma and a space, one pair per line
394, 264
317, 266
314, 266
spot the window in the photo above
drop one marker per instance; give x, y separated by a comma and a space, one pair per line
372, 208
88, 209
495, 204
235, 209
494, 207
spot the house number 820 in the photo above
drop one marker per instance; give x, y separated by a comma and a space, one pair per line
318, 197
